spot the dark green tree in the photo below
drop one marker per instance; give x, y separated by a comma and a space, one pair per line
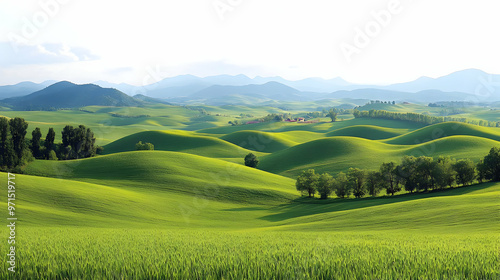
18, 127
251, 160
466, 171
36, 136
7, 155
492, 164
307, 182
332, 114
49, 142
356, 178
407, 173
144, 146
325, 185
444, 173
373, 183
390, 179
342, 185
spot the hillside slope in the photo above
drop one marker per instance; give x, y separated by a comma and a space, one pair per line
173, 172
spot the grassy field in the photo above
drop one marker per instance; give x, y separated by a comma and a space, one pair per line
136, 232
192, 210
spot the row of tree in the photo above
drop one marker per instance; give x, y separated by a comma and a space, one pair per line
413, 174
420, 118
16, 150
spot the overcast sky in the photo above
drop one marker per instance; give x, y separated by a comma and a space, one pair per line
139, 42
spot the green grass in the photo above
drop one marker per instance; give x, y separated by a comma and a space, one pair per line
197, 254
450, 234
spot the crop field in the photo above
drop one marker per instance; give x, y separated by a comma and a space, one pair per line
197, 254
191, 209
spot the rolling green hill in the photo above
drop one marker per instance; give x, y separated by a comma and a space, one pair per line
367, 131
335, 154
179, 141
259, 141
440, 130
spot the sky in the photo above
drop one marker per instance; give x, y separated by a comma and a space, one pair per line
141, 42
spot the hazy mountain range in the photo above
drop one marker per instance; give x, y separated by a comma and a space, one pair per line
467, 85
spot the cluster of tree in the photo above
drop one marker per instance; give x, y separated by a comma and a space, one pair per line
420, 118
325, 112
413, 174
275, 118
139, 146
251, 160
16, 151
77, 142
455, 104
381, 102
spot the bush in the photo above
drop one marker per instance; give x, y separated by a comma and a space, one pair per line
251, 160
146, 146
52, 155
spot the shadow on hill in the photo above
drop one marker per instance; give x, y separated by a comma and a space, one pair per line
303, 206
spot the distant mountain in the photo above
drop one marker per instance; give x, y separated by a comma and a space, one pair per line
68, 95
23, 88
472, 81
270, 90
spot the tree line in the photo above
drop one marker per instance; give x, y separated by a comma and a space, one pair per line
16, 151
413, 174
419, 118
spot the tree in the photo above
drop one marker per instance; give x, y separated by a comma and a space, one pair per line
325, 185
332, 114
466, 171
18, 127
36, 135
389, 178
482, 171
49, 142
356, 178
373, 179
143, 147
342, 186
448, 174
307, 182
424, 166
67, 135
251, 160
407, 173
89, 149
78, 141
7, 154
492, 165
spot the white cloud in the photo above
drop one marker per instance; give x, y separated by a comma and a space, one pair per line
20, 54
